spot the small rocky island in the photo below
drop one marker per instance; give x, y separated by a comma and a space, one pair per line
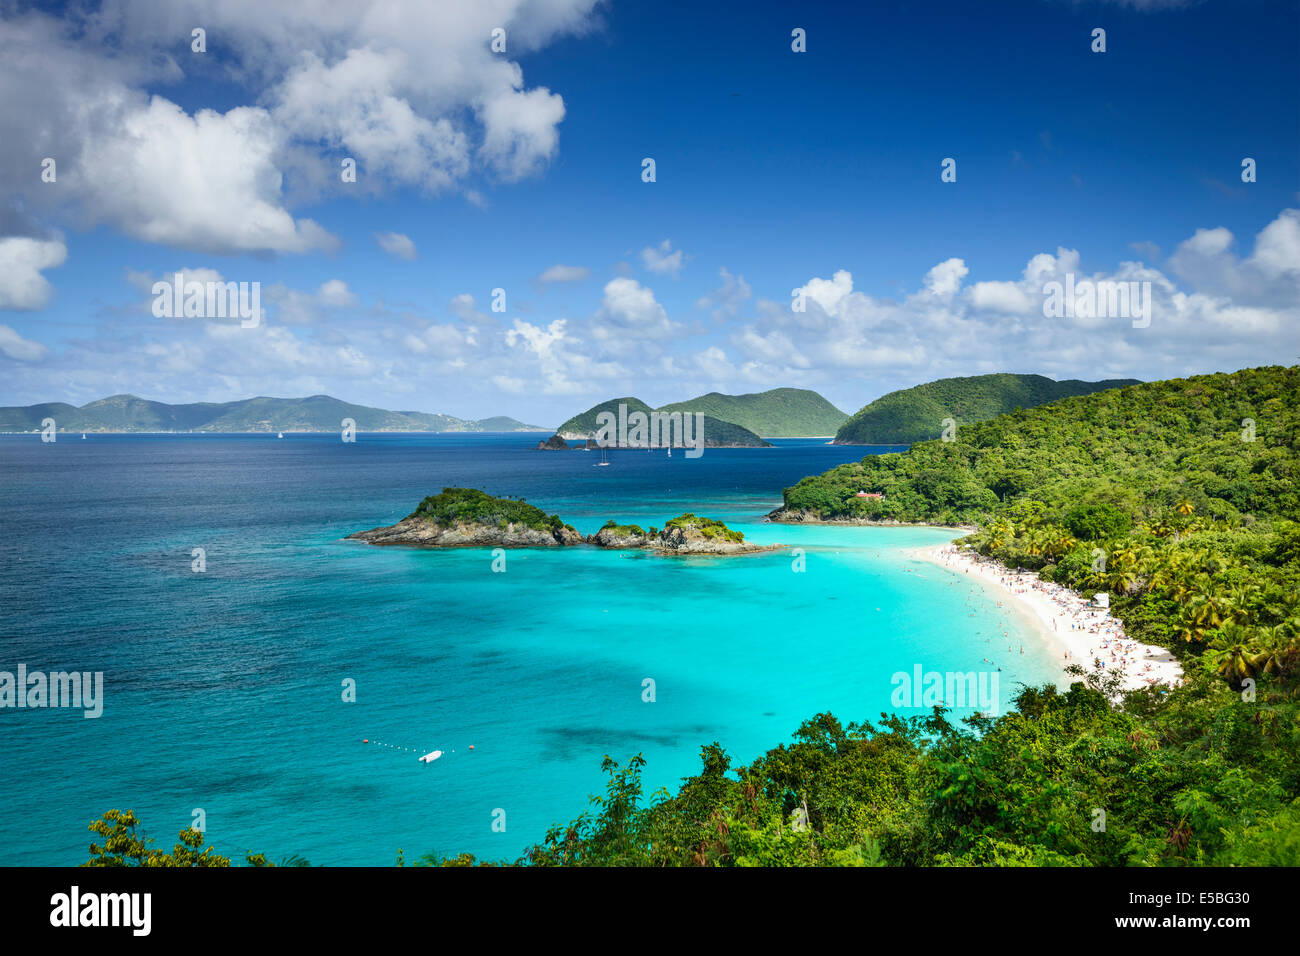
468, 518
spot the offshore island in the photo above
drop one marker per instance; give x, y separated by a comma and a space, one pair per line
469, 518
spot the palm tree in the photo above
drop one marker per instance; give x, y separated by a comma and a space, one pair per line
1231, 654
1185, 507
1278, 648
1207, 610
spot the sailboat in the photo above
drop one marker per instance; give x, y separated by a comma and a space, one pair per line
83, 436
281, 435
670, 451
604, 458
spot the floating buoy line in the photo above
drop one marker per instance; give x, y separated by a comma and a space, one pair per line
426, 758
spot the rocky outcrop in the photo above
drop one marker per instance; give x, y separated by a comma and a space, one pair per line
619, 537
421, 532
471, 518
693, 541
554, 443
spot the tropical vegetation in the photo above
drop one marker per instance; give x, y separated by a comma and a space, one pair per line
923, 411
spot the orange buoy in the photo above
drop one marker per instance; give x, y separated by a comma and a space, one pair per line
471, 746
366, 741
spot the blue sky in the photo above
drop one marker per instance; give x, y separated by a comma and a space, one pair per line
775, 171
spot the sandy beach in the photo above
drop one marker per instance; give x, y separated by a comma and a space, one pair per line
1068, 622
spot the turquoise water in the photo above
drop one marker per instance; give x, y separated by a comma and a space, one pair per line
224, 688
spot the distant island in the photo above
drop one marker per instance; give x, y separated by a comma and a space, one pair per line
469, 518
918, 413
585, 428
776, 413
317, 413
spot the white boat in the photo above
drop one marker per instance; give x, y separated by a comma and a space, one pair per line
83, 436
431, 757
604, 459
670, 453
281, 435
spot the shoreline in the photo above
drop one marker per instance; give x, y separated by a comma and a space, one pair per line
865, 523
1067, 622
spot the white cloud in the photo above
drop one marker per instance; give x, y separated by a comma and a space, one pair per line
408, 89
16, 347
21, 262
944, 280
630, 319
520, 130
662, 259
396, 244
1226, 312
1001, 297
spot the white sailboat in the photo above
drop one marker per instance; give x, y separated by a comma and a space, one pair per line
281, 435
670, 451
604, 458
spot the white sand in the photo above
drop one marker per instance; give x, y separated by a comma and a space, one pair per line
1067, 621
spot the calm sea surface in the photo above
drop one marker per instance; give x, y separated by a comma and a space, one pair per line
224, 689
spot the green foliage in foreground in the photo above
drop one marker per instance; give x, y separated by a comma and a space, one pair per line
709, 527
124, 845
1195, 777
472, 506
918, 413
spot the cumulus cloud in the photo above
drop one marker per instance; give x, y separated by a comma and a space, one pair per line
1216, 310
16, 347
661, 259
396, 244
21, 262
410, 90
631, 320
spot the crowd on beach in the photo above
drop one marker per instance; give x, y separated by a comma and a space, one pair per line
1106, 642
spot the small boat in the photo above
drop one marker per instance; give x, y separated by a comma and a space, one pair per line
281, 435
604, 459
83, 436
431, 757
670, 453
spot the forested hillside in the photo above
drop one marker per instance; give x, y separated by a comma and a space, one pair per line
918, 413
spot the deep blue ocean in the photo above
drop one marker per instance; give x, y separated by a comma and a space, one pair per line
224, 688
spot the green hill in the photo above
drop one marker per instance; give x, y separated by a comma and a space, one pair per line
717, 433
584, 425
917, 414
1139, 449
776, 413
318, 413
